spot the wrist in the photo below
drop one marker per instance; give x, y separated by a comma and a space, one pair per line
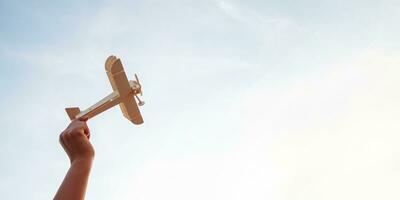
82, 162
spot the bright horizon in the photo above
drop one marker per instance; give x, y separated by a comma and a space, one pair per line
244, 99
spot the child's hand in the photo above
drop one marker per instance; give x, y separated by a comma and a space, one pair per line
75, 141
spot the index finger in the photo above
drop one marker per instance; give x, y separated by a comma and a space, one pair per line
83, 118
85, 126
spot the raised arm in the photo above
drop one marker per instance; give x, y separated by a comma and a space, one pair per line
75, 141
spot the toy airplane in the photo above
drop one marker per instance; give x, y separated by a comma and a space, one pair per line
124, 94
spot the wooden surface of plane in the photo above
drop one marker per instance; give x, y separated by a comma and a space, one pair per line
124, 92
120, 83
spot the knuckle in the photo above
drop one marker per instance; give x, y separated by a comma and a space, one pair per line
73, 133
77, 132
67, 135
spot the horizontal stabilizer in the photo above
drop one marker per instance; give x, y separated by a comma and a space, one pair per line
72, 112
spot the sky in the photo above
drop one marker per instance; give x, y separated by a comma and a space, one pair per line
280, 100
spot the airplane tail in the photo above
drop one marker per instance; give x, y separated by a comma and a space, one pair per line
72, 112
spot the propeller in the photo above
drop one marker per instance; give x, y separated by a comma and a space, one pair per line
140, 86
140, 102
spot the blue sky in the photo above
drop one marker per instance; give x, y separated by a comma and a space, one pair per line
244, 99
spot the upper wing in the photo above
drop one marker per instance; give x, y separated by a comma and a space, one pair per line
120, 83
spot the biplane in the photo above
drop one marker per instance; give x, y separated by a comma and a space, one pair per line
125, 93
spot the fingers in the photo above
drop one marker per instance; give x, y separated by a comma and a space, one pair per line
83, 118
85, 126
63, 141
86, 130
60, 139
79, 126
75, 140
75, 128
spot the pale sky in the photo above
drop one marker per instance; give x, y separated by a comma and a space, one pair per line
245, 100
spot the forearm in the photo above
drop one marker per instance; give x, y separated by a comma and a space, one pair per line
75, 182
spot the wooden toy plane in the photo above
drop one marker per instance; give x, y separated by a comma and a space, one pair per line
124, 94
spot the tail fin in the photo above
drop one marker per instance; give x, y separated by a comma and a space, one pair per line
72, 112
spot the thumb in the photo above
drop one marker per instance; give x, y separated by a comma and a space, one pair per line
83, 118
85, 127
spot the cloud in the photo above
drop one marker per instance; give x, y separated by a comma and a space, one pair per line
327, 134
333, 132
252, 17
230, 10
222, 121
